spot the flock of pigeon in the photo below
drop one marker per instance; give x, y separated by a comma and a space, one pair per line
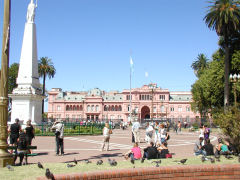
113, 162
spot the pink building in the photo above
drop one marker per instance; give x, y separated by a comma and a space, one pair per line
96, 104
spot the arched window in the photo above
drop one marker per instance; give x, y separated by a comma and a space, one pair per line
92, 108
81, 108
74, 108
67, 108
116, 108
97, 108
112, 109
88, 108
120, 108
71, 108
105, 108
77, 107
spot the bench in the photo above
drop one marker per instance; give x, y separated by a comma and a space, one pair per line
26, 155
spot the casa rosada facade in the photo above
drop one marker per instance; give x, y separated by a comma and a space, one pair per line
147, 102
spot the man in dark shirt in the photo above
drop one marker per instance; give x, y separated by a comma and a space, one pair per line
208, 147
150, 152
14, 130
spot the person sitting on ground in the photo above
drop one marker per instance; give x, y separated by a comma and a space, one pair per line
150, 152
208, 147
198, 147
163, 150
21, 151
134, 153
221, 148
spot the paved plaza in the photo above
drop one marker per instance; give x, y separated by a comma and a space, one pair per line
88, 147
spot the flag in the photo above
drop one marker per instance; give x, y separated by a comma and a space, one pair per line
131, 64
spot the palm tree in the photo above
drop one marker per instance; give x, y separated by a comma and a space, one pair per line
200, 64
45, 68
223, 16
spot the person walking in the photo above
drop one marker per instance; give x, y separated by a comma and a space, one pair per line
106, 136
58, 126
179, 127
136, 131
29, 131
14, 130
149, 133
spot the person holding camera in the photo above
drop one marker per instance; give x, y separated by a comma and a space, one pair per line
58, 126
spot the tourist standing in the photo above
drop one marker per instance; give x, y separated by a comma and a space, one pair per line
29, 131
162, 133
59, 133
14, 130
206, 132
136, 132
179, 127
156, 130
149, 133
106, 136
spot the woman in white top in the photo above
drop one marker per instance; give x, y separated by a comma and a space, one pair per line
162, 132
156, 129
106, 136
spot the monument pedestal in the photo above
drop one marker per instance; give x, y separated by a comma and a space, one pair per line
27, 106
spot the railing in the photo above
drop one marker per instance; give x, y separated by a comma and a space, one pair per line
70, 129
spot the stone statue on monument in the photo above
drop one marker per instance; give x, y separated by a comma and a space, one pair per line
31, 11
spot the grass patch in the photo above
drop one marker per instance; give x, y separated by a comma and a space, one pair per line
32, 171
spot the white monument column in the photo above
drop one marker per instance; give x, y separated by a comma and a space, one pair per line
27, 98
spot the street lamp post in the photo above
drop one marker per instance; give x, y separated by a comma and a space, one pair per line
5, 157
234, 78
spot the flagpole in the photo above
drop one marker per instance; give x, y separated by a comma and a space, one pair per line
130, 91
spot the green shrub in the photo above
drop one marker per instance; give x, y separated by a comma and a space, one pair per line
229, 123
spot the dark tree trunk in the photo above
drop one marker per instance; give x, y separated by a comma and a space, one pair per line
226, 72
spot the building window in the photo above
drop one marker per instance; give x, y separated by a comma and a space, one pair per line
171, 109
88, 117
119, 117
112, 117
88, 108
136, 109
162, 97
128, 97
73, 116
79, 116
120, 108
92, 108
188, 109
97, 117
128, 108
188, 119
58, 115
67, 115
97, 108
162, 108
180, 109
180, 118
59, 108
154, 109
92, 117
140, 97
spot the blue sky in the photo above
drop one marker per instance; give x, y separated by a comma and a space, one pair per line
89, 41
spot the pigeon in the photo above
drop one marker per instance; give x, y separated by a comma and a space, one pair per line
228, 156
99, 162
212, 160
112, 162
75, 161
70, 165
49, 175
157, 163
143, 159
87, 161
10, 168
183, 161
40, 165
217, 157
203, 158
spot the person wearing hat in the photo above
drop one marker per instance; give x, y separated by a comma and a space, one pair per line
58, 126
198, 147
14, 131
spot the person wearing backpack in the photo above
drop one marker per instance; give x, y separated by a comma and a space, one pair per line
22, 148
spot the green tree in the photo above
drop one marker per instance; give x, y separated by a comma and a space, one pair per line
200, 64
208, 90
223, 16
45, 69
12, 77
